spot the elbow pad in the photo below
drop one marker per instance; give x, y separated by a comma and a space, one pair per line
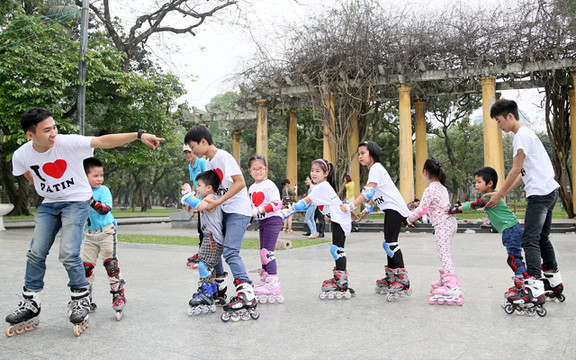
300, 205
368, 193
100, 207
275, 206
479, 203
191, 200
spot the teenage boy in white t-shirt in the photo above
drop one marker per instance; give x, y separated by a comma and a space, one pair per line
234, 201
54, 164
532, 166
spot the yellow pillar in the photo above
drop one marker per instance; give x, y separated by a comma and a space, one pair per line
405, 134
573, 140
292, 151
328, 143
493, 148
421, 147
236, 145
353, 149
262, 128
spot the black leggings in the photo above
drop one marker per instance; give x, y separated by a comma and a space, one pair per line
338, 239
392, 225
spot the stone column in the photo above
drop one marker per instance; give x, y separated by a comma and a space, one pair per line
292, 151
262, 128
406, 158
236, 145
353, 149
328, 143
421, 147
573, 139
493, 148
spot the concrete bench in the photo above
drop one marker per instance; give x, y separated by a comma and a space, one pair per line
182, 220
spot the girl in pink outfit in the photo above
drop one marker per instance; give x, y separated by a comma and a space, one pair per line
434, 202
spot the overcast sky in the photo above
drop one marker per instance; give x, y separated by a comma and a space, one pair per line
223, 45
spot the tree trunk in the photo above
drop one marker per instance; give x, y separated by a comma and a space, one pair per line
558, 127
16, 195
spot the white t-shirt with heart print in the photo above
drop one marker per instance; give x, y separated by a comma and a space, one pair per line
58, 172
263, 194
226, 166
328, 203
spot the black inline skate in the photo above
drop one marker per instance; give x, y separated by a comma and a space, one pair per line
25, 318
118, 298
79, 309
202, 301
243, 305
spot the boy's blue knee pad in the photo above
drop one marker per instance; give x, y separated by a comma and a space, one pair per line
202, 269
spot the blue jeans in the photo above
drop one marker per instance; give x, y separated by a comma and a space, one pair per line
50, 218
537, 246
310, 219
234, 229
512, 241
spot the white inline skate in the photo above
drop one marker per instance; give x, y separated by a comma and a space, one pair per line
79, 309
553, 285
530, 301
449, 293
25, 318
243, 305
337, 287
220, 296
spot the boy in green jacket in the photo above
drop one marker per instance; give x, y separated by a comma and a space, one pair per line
504, 220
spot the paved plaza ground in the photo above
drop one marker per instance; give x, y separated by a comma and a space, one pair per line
157, 326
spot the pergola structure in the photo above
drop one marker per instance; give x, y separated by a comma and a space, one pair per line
291, 96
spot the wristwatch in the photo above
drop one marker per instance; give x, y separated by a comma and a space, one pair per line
140, 132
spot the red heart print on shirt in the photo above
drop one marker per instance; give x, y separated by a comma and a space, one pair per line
321, 207
219, 173
257, 198
55, 169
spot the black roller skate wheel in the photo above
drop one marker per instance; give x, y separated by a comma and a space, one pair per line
509, 309
541, 312
255, 315
561, 298
225, 317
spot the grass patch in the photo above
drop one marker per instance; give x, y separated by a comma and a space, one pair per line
248, 243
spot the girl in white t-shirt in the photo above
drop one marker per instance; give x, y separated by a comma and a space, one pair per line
381, 190
326, 199
266, 205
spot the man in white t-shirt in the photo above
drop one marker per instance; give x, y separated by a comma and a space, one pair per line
533, 167
54, 164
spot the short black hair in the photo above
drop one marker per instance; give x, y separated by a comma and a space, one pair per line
31, 117
91, 162
197, 133
285, 182
373, 150
503, 107
209, 178
488, 174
